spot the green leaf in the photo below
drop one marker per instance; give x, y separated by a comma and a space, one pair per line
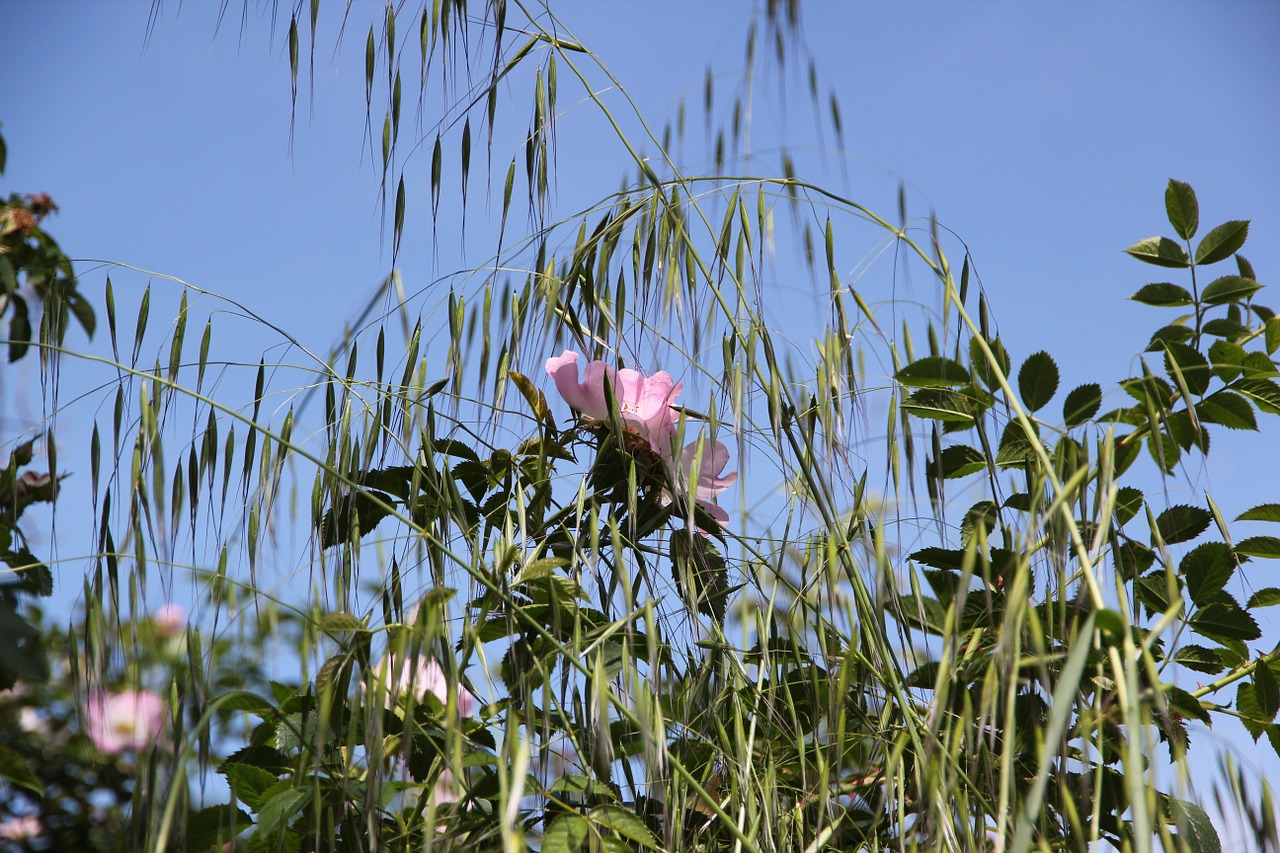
15, 769
1191, 364
933, 371
248, 783
1268, 596
1038, 380
210, 828
1264, 393
1174, 334
1273, 334
1229, 288
281, 808
1163, 295
1261, 512
1227, 409
1081, 404
1182, 523
1226, 359
341, 621
1195, 829
1222, 242
565, 834
1266, 547
1225, 622
939, 404
1200, 658
1128, 504
1183, 210
1160, 251
626, 823
1250, 714
1186, 705
1206, 569
960, 460
1266, 690
982, 369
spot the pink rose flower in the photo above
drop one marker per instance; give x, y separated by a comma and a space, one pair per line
644, 402
129, 720
169, 621
417, 677
702, 472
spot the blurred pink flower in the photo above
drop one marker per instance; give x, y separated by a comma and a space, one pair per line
702, 471
418, 676
129, 720
644, 402
169, 621
446, 788
21, 828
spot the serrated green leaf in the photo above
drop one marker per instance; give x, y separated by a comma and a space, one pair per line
1200, 658
960, 460
1227, 409
1038, 380
1173, 334
981, 368
626, 823
1182, 523
938, 404
1261, 512
211, 827
1081, 404
1266, 597
565, 834
1160, 251
1193, 367
1229, 288
1182, 208
340, 621
1264, 393
1128, 503
1206, 570
1222, 242
1250, 714
1163, 295
1266, 547
1225, 622
1266, 690
1226, 359
248, 783
15, 769
281, 808
1195, 829
1273, 334
1186, 705
933, 371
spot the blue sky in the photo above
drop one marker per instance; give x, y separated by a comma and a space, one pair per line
1042, 134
